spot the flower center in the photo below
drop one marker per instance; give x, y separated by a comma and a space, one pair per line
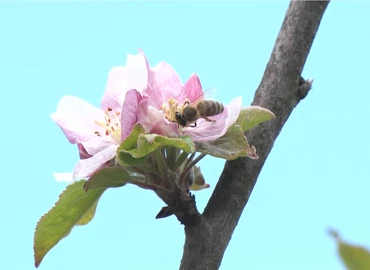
169, 109
111, 124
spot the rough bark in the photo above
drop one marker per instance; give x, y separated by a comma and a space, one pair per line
279, 91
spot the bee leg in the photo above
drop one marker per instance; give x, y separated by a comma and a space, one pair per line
207, 119
186, 103
193, 126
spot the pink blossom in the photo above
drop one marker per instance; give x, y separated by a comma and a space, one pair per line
164, 84
134, 93
99, 131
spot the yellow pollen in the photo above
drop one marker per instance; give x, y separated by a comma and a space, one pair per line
169, 109
111, 124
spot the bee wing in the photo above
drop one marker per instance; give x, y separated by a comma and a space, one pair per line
209, 93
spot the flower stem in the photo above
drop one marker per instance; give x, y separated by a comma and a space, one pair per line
162, 166
179, 161
172, 154
189, 159
148, 167
188, 168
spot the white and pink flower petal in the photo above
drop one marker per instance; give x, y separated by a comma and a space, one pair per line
166, 128
63, 177
164, 83
130, 110
76, 117
115, 89
86, 167
137, 72
148, 116
98, 144
193, 88
123, 78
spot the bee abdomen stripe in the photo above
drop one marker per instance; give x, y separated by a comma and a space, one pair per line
210, 108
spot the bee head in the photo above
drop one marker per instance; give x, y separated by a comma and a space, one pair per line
189, 114
180, 120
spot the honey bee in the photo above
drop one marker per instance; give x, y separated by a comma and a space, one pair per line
189, 113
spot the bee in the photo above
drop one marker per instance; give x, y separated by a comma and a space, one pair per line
189, 113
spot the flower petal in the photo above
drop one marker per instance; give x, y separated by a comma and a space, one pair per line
115, 89
82, 152
164, 83
193, 88
121, 79
86, 167
234, 108
166, 128
137, 72
76, 117
148, 116
129, 113
63, 177
97, 144
154, 121
209, 131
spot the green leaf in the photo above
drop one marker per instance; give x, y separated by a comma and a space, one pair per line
74, 207
125, 158
354, 257
85, 219
123, 155
134, 149
131, 140
250, 117
232, 145
151, 142
108, 178
138, 145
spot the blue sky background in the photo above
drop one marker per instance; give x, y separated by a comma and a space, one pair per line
317, 174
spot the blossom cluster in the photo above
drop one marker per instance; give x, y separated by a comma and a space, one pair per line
135, 93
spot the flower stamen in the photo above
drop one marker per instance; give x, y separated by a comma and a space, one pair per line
111, 124
169, 109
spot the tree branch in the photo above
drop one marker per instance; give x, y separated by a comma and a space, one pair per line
278, 91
